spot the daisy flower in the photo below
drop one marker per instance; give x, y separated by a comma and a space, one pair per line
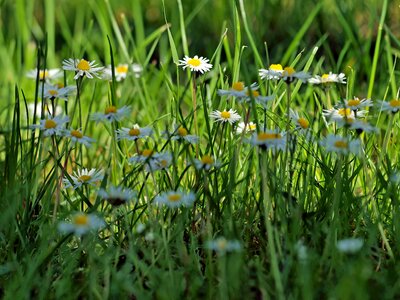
342, 114
112, 114
159, 161
144, 156
391, 106
134, 133
117, 195
230, 116
262, 100
362, 125
174, 199
206, 162
249, 127
270, 139
77, 136
341, 145
221, 245
44, 75
238, 90
274, 72
83, 177
181, 134
356, 104
350, 245
81, 223
300, 122
328, 78
52, 92
195, 64
82, 67
289, 75
121, 71
52, 126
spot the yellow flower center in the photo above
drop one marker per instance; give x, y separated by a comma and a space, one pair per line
255, 93
303, 123
276, 67
394, 103
83, 65
84, 178
207, 160
77, 134
134, 132
194, 62
122, 69
252, 127
263, 136
288, 71
49, 124
110, 110
174, 197
81, 220
325, 76
182, 131
344, 112
353, 102
53, 93
341, 144
238, 86
225, 114
60, 85
164, 163
147, 152
43, 74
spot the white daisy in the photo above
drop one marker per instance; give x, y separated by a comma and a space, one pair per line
356, 104
262, 100
270, 139
174, 199
341, 145
350, 245
117, 195
47, 74
300, 122
274, 72
181, 134
328, 78
390, 106
52, 126
55, 91
144, 156
342, 115
206, 162
221, 245
112, 114
81, 223
289, 75
121, 71
230, 116
77, 136
196, 64
159, 161
238, 90
83, 177
249, 127
134, 133
361, 125
82, 67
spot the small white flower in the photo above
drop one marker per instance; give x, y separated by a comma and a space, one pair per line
390, 106
195, 64
289, 75
356, 104
255, 94
82, 67
206, 162
77, 136
117, 196
350, 245
134, 133
81, 223
143, 157
159, 161
342, 145
121, 71
274, 72
83, 177
175, 199
328, 78
238, 90
269, 139
181, 134
52, 126
300, 122
342, 115
230, 116
54, 91
112, 114
221, 245
46, 75
249, 127
361, 125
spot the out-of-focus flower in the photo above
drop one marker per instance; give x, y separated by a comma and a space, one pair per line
81, 223
221, 245
112, 114
117, 195
83, 177
174, 199
52, 126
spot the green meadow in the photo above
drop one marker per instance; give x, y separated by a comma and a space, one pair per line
180, 149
